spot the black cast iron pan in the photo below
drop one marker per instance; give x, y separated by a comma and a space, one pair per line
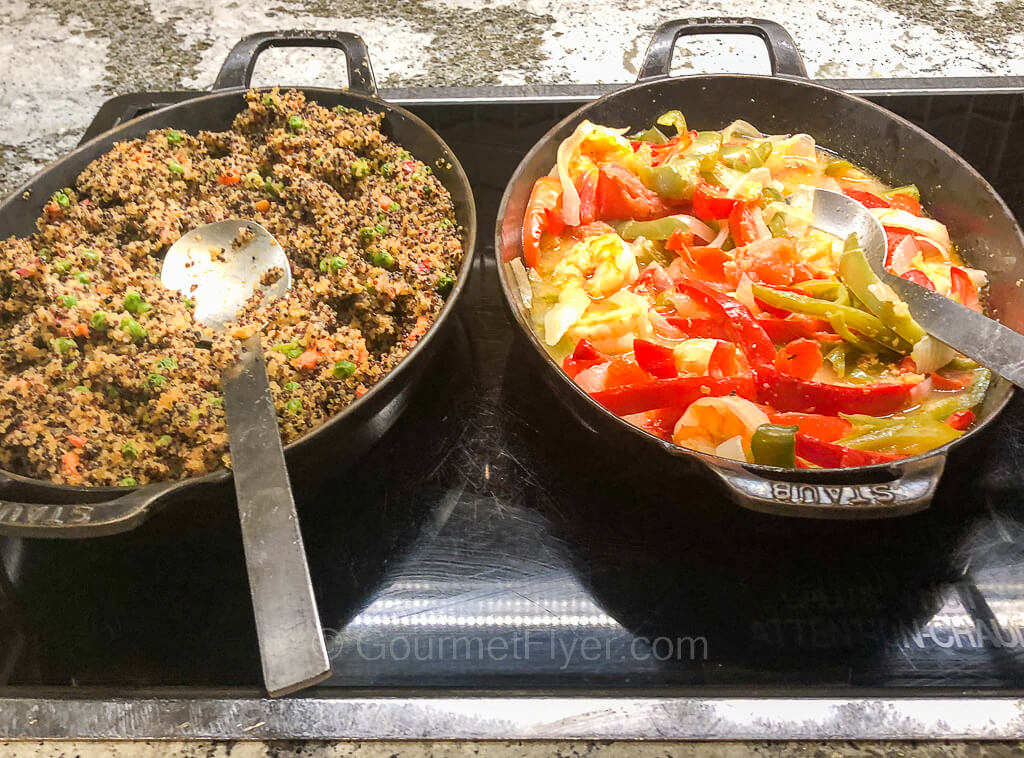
35, 508
867, 134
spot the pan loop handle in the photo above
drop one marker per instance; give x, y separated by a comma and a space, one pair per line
77, 519
782, 51
238, 66
904, 488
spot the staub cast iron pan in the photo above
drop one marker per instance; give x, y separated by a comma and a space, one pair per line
34, 508
891, 147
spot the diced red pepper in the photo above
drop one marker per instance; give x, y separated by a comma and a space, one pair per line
867, 199
545, 199
952, 381
620, 195
827, 428
904, 202
918, 277
583, 357
961, 420
711, 202
830, 455
667, 151
741, 224
671, 393
788, 393
800, 358
739, 321
679, 240
657, 360
963, 289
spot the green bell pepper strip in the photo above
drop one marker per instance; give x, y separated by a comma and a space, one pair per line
825, 289
972, 397
704, 145
652, 136
906, 189
675, 180
838, 322
862, 322
673, 118
858, 276
777, 225
720, 174
913, 434
740, 157
774, 445
659, 229
837, 357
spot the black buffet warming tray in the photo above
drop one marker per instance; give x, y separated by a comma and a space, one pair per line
492, 569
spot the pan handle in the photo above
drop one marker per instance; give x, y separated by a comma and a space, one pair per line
782, 51
238, 66
904, 488
80, 520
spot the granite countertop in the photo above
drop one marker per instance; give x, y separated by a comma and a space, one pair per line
60, 61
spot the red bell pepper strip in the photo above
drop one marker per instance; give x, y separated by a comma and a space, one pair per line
741, 224
742, 325
583, 357
830, 455
800, 358
788, 393
671, 393
796, 325
918, 277
586, 184
620, 195
723, 360
867, 199
905, 202
963, 288
556, 223
679, 240
954, 382
657, 360
545, 198
825, 428
711, 202
961, 420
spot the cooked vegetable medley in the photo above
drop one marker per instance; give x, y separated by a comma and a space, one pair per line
106, 377
675, 275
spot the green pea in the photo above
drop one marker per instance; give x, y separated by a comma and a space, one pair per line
43, 255
175, 168
444, 284
445, 223
174, 138
344, 369
367, 234
61, 266
294, 405
128, 481
189, 303
273, 188
291, 386
61, 198
82, 277
360, 168
386, 169
98, 320
156, 380
404, 155
90, 255
81, 388
291, 349
334, 264
295, 123
134, 328
216, 402
134, 304
64, 344
167, 362
68, 301
383, 259
128, 450
380, 229
164, 440
268, 101
394, 207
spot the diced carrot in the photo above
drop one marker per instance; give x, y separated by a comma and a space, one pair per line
70, 460
75, 440
229, 177
263, 206
307, 360
82, 329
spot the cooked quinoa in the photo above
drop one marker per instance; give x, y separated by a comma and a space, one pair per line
106, 377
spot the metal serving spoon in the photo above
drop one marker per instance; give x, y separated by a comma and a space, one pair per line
221, 276
978, 337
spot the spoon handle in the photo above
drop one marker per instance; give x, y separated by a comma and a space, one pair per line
287, 623
978, 337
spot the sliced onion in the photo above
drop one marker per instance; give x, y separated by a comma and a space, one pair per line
930, 355
732, 448
571, 305
745, 294
593, 379
978, 277
662, 326
522, 281
698, 227
903, 255
928, 244
685, 305
745, 186
740, 128
719, 239
763, 232
926, 227
570, 197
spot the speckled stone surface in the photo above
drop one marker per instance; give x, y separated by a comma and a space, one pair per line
506, 750
59, 61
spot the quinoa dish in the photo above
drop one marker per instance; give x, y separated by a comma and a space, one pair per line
107, 378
